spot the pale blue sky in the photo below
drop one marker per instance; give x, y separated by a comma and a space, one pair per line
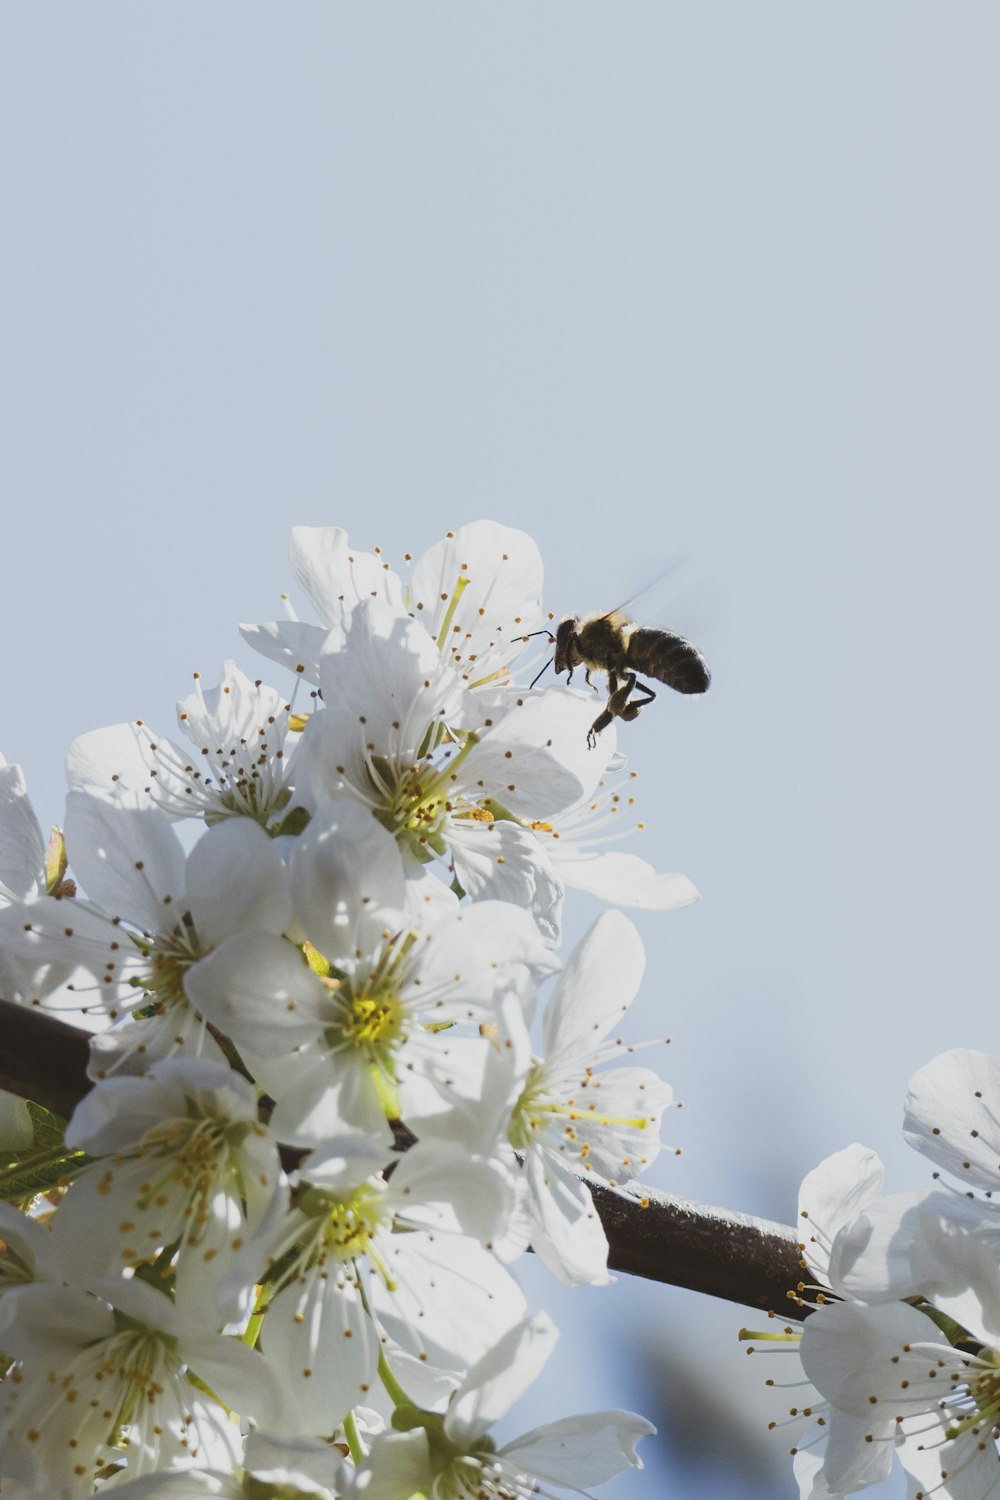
714, 279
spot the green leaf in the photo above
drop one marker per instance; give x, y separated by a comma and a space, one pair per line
44, 1164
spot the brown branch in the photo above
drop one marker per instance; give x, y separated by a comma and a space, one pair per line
750, 1261
42, 1059
755, 1262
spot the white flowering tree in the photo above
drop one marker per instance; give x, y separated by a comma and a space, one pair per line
329, 1077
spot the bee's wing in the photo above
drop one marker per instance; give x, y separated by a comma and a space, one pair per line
677, 598
639, 603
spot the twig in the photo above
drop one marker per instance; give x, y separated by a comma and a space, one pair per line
754, 1262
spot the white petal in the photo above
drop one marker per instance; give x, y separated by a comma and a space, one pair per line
330, 760
503, 862
234, 716
63, 931
451, 1300
340, 1165
566, 1231
965, 1469
833, 1194
492, 1386
807, 1466
596, 987
345, 872
875, 1255
113, 763
258, 989
581, 1451
501, 573
236, 880
397, 1468
22, 847
968, 1280
858, 1451
951, 1112
623, 878
624, 1140
293, 643
465, 1097
240, 1376
51, 1323
129, 860
303, 1463
536, 760
480, 948
439, 1186
426, 896
118, 1113
30, 1243
390, 677
853, 1353
131, 1047
187, 1484
337, 576
16, 1129
321, 1096
318, 1333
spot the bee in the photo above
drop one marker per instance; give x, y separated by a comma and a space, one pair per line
615, 644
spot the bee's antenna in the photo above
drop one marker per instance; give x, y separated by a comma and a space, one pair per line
531, 634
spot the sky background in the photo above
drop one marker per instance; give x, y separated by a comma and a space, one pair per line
715, 281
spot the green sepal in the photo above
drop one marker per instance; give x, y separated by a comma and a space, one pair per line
55, 862
159, 1273
296, 822
956, 1335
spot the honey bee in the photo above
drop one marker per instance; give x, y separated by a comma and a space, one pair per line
615, 644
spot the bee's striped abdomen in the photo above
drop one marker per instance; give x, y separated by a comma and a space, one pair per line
669, 658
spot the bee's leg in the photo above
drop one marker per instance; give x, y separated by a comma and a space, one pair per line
586, 678
601, 722
617, 698
631, 710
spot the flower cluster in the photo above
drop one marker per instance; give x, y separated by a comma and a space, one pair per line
903, 1338
341, 1080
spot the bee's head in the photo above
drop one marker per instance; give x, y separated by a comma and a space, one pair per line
567, 656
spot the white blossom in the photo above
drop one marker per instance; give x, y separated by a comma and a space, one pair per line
477, 593
452, 1456
235, 764
150, 917
389, 738
340, 1047
364, 1257
179, 1160
100, 1370
576, 846
892, 1373
29, 870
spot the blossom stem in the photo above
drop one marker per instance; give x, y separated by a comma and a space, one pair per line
393, 1388
353, 1438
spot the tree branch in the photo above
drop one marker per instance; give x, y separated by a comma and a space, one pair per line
42, 1059
754, 1262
